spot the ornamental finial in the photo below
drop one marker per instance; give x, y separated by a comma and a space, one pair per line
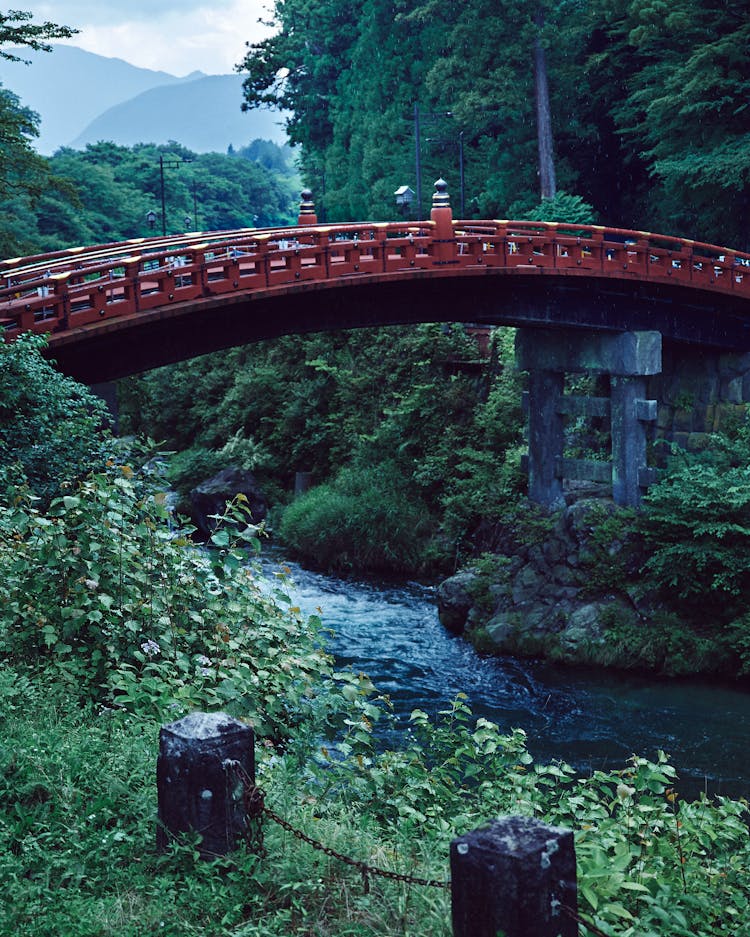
440, 198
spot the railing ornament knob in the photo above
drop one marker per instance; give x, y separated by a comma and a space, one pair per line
440, 198
307, 214
306, 206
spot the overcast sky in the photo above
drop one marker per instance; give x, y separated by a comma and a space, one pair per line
176, 36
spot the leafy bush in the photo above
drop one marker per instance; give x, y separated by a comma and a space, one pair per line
193, 466
363, 520
51, 428
697, 525
102, 589
564, 207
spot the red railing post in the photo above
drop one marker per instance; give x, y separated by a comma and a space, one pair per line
307, 213
444, 250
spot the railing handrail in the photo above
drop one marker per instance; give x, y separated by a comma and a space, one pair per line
63, 289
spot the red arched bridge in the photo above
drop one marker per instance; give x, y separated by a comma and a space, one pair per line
117, 309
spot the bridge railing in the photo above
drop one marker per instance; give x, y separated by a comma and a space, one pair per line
67, 289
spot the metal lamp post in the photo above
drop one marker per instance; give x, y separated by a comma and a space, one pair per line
433, 116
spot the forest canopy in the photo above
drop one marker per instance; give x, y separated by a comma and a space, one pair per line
649, 110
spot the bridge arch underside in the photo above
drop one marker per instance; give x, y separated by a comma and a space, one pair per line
111, 349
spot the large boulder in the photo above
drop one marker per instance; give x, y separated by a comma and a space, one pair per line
455, 600
211, 497
542, 598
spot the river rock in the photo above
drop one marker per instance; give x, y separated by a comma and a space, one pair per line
211, 497
455, 600
542, 602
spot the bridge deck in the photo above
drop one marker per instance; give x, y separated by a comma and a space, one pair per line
71, 295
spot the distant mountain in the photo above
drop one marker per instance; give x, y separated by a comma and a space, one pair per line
203, 115
83, 98
69, 88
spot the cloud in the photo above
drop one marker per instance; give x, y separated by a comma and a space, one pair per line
176, 36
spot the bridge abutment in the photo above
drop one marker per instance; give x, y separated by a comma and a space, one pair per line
628, 358
700, 391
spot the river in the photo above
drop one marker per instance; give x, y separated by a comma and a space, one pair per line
589, 718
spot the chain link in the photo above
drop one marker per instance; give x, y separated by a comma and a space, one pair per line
255, 806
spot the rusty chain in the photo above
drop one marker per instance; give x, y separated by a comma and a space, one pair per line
255, 806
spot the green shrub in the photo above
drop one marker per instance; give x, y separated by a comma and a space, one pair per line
696, 526
51, 428
564, 207
363, 520
102, 589
192, 466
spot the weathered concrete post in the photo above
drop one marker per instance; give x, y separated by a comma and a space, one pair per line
628, 357
627, 395
514, 877
302, 483
202, 762
107, 391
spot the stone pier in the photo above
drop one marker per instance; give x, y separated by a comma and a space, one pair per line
628, 358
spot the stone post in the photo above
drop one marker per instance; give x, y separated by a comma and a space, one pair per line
107, 391
302, 483
628, 438
515, 877
628, 357
546, 437
202, 762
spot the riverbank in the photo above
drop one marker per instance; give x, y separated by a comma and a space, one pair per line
573, 588
590, 717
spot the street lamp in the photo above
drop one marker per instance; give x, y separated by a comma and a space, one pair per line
404, 197
434, 116
151, 218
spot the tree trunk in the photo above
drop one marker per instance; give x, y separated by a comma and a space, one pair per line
543, 117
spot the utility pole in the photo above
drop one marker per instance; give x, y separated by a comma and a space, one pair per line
170, 164
418, 161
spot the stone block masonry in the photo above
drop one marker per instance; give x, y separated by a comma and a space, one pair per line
699, 392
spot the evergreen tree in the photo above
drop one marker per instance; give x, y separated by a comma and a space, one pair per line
681, 81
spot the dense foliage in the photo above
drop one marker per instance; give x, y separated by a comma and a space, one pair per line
22, 170
51, 428
110, 189
408, 419
648, 105
695, 532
